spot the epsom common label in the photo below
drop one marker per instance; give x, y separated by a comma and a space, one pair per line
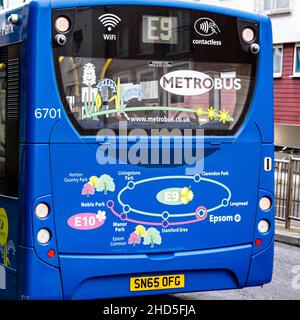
194, 83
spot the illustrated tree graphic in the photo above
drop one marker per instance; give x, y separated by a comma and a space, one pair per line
105, 184
141, 231
88, 190
152, 237
93, 181
134, 239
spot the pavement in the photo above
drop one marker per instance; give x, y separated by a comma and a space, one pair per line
285, 284
286, 276
291, 236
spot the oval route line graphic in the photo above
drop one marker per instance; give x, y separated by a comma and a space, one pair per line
199, 214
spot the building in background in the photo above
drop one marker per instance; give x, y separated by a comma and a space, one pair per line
4, 4
285, 16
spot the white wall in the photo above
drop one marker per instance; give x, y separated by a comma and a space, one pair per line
12, 3
286, 27
246, 5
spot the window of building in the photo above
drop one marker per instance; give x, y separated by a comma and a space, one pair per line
276, 6
297, 60
277, 60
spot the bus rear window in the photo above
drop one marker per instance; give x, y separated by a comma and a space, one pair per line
156, 72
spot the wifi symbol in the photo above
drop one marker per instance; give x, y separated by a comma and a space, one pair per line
109, 20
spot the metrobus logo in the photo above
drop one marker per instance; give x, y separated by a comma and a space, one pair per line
193, 83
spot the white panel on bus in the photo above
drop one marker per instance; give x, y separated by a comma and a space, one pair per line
2, 278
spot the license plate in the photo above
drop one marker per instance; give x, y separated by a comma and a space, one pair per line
157, 282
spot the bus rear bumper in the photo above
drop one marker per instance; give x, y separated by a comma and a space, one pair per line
108, 276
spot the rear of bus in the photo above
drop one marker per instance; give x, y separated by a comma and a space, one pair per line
112, 214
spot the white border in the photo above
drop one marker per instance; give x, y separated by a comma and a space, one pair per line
2, 277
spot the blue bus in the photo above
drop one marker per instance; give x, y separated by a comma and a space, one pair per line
91, 96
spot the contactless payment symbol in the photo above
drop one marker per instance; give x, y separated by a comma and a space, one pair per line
206, 27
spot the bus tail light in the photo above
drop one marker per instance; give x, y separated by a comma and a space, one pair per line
263, 226
265, 203
258, 242
51, 253
42, 210
62, 24
248, 35
43, 236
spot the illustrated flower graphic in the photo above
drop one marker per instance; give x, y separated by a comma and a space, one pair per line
200, 111
141, 231
134, 239
105, 184
101, 215
88, 190
211, 113
186, 195
94, 181
152, 237
224, 116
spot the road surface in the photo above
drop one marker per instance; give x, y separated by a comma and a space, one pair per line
283, 287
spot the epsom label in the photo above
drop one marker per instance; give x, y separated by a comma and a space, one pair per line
187, 82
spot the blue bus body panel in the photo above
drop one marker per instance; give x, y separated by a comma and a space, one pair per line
225, 207
211, 239
261, 267
108, 276
36, 279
